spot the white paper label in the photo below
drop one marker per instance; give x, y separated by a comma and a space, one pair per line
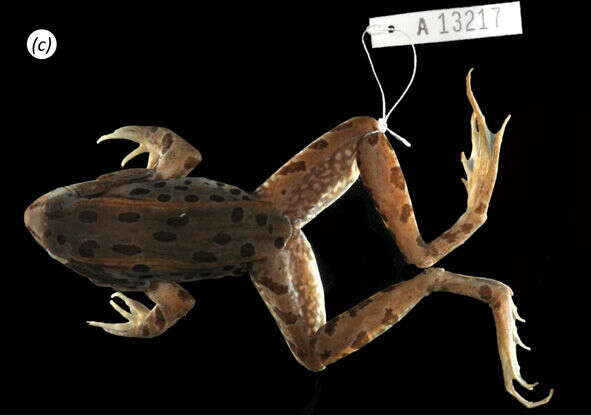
449, 24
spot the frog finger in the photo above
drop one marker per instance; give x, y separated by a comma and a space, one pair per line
121, 329
136, 308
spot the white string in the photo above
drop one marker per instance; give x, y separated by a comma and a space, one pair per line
383, 121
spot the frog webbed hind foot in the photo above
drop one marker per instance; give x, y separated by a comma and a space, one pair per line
481, 168
170, 155
172, 303
505, 313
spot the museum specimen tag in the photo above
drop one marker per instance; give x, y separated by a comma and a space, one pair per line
445, 25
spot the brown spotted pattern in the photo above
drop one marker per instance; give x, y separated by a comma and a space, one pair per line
274, 287
405, 212
293, 167
319, 144
287, 317
485, 292
396, 177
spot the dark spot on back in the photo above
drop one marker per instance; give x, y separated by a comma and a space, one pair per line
159, 184
61, 239
246, 198
247, 250
129, 217
220, 184
164, 197
279, 242
87, 248
235, 191
164, 236
216, 198
261, 219
141, 268
191, 198
181, 188
204, 257
373, 139
87, 216
178, 221
228, 268
188, 182
222, 238
139, 191
237, 214
126, 249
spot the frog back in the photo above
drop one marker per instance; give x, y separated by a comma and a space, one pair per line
132, 232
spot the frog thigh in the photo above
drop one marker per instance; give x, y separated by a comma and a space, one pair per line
319, 174
290, 285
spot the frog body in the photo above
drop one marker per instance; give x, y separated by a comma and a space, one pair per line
151, 229
137, 231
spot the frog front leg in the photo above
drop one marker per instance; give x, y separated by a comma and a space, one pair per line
170, 155
172, 303
290, 285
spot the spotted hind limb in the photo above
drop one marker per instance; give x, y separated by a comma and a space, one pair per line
170, 155
382, 176
172, 303
290, 286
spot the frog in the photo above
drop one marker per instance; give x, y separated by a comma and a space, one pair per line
152, 230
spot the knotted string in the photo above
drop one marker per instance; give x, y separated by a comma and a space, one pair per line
383, 121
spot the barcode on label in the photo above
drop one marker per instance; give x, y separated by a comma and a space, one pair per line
445, 25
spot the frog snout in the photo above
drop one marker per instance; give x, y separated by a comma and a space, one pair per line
46, 209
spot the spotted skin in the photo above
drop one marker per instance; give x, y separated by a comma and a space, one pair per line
148, 229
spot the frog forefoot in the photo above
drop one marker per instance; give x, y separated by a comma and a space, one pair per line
136, 318
481, 168
170, 155
172, 302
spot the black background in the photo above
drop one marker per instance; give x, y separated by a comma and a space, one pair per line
250, 86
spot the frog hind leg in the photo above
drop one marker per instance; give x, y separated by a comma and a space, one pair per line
289, 284
382, 176
170, 155
172, 303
